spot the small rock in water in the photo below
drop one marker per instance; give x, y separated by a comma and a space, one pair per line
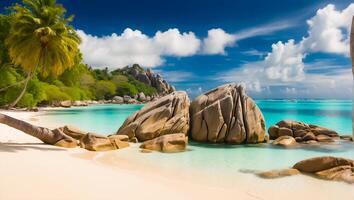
167, 143
278, 173
324, 138
346, 137
285, 141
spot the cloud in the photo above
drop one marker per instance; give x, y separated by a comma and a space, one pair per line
254, 52
217, 41
132, 46
173, 43
119, 50
263, 29
284, 62
328, 30
283, 69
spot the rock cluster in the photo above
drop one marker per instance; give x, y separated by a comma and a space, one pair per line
94, 142
329, 168
302, 132
226, 115
167, 115
167, 143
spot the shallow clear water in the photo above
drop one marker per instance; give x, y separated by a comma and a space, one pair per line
334, 114
106, 119
102, 119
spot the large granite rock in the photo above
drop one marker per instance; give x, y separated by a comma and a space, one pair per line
301, 131
226, 115
329, 168
166, 115
167, 143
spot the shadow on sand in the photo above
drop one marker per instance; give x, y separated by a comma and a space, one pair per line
16, 147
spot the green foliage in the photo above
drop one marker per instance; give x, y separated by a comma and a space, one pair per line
4, 32
101, 74
104, 89
53, 93
40, 37
36, 37
8, 76
27, 101
141, 87
116, 79
125, 88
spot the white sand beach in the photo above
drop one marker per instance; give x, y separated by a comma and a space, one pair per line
32, 170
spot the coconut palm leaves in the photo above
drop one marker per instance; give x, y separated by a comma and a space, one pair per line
40, 38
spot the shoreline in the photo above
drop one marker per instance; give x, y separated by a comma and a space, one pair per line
76, 173
45, 170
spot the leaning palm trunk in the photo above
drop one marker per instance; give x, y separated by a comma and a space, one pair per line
22, 92
12, 85
352, 56
53, 137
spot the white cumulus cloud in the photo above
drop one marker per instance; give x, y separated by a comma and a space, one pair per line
174, 43
217, 41
284, 62
132, 46
284, 66
329, 30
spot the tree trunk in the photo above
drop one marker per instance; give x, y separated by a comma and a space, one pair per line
53, 137
12, 85
28, 78
352, 56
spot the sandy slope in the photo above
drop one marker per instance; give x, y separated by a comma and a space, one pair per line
32, 170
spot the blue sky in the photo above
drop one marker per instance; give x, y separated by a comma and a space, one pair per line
278, 49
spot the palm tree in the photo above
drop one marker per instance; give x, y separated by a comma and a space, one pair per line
352, 55
41, 40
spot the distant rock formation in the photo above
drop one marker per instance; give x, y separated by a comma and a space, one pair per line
302, 132
166, 115
226, 115
150, 78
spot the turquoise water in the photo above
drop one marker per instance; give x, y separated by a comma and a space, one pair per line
106, 119
334, 114
102, 119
